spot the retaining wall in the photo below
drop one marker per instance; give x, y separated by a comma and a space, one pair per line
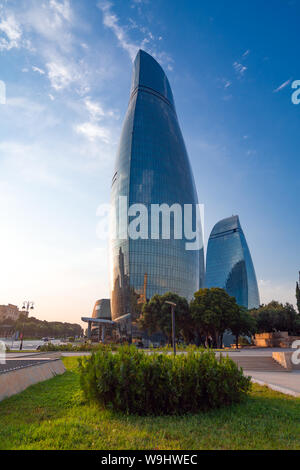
16, 381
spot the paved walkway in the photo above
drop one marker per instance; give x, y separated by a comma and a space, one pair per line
284, 382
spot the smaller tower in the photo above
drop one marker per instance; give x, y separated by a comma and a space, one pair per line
229, 264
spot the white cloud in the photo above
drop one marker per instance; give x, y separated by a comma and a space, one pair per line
97, 111
93, 132
112, 21
62, 9
283, 85
12, 31
60, 75
239, 68
38, 70
51, 20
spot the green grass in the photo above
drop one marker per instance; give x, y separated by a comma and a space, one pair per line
54, 415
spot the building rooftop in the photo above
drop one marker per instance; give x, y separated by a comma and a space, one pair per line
225, 225
149, 74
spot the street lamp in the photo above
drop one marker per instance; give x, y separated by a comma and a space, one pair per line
27, 305
173, 305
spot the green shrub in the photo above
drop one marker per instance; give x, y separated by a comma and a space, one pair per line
132, 381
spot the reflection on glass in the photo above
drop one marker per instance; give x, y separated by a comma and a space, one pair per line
152, 167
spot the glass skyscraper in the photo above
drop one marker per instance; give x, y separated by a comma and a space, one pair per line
152, 167
229, 264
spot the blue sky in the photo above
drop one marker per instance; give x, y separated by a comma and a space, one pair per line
67, 69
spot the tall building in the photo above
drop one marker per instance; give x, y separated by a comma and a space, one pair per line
229, 264
152, 167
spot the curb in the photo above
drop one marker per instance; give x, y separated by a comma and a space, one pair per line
277, 388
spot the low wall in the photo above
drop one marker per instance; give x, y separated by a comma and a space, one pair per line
16, 381
280, 339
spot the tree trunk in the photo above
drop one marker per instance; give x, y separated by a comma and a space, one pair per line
237, 341
215, 340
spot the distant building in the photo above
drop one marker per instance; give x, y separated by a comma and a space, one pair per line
229, 264
11, 312
102, 309
100, 325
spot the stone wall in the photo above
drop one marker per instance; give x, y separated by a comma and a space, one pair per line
279, 339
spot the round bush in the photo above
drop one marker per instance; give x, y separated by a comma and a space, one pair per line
135, 382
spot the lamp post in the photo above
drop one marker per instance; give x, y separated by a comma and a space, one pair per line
26, 306
173, 305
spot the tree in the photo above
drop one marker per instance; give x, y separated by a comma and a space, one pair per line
156, 316
213, 311
242, 323
298, 296
277, 317
34, 328
149, 319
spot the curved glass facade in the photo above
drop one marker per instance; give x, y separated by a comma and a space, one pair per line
229, 264
152, 167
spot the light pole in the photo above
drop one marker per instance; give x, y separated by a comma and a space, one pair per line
26, 306
173, 305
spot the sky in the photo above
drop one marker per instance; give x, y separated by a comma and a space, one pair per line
66, 66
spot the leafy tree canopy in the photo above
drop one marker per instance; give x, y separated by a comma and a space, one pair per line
276, 316
34, 328
156, 316
213, 310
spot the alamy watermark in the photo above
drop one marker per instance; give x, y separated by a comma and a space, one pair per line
296, 354
152, 221
2, 92
296, 93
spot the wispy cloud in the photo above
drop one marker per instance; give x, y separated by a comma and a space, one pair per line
10, 32
112, 21
60, 75
38, 70
239, 68
62, 9
227, 83
282, 86
97, 111
93, 131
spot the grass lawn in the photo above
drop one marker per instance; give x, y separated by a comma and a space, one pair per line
54, 415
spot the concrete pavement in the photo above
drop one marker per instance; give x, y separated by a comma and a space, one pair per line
287, 383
